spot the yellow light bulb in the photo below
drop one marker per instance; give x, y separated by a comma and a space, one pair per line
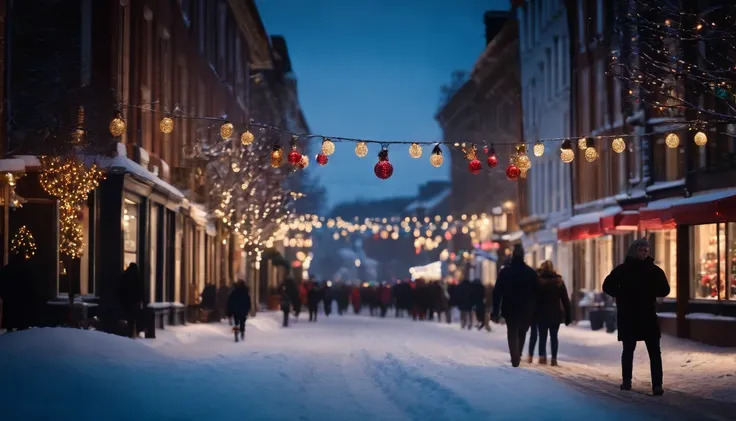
361, 149
415, 150
700, 139
591, 154
567, 155
582, 143
672, 140
117, 126
166, 125
226, 130
538, 149
246, 138
328, 148
436, 160
618, 145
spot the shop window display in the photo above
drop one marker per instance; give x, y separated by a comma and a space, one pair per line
130, 232
732, 260
665, 256
709, 261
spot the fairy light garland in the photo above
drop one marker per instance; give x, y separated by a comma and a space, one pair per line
70, 181
23, 243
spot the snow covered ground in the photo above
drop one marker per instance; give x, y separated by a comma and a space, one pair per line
342, 368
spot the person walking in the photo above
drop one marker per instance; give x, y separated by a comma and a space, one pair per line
514, 298
636, 284
285, 304
314, 296
464, 297
238, 307
553, 308
131, 295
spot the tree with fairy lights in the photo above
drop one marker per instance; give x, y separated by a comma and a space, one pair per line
678, 58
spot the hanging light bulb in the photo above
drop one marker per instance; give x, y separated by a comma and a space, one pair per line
672, 140
538, 148
304, 163
226, 130
567, 155
117, 125
294, 157
383, 168
277, 156
582, 143
246, 138
618, 145
700, 139
415, 150
590, 153
492, 157
328, 148
361, 149
166, 125
436, 158
522, 159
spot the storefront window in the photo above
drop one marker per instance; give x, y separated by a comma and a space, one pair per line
130, 232
665, 256
708, 261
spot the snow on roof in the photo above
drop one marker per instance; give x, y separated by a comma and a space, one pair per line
701, 197
121, 161
30, 160
12, 165
198, 213
590, 217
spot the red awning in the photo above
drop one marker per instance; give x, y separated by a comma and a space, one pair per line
726, 208
586, 225
656, 219
622, 221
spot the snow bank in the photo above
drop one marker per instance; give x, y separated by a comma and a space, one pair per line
12, 165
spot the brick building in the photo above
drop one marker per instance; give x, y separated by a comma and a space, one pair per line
485, 110
73, 67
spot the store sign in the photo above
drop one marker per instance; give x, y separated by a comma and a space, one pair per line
487, 245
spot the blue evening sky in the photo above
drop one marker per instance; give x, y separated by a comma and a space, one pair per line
373, 69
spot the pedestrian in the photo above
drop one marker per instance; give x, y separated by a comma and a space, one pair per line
313, 298
327, 298
479, 305
514, 298
355, 299
636, 284
553, 309
238, 307
131, 295
17, 294
464, 297
285, 304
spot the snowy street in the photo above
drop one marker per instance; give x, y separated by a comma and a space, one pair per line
342, 368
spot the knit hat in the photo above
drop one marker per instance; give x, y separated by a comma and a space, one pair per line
642, 242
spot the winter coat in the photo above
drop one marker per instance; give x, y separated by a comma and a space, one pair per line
17, 293
238, 302
131, 291
478, 296
314, 296
209, 297
355, 297
515, 293
285, 302
385, 295
553, 303
464, 296
636, 285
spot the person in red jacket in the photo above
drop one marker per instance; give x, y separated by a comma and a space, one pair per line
355, 300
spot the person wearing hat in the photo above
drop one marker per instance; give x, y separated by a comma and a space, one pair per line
636, 284
514, 297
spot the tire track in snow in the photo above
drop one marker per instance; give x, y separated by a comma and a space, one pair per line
419, 396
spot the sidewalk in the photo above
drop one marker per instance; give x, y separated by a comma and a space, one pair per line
693, 372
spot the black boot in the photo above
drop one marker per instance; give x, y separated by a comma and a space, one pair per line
657, 391
626, 386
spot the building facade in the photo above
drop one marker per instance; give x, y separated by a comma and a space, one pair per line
545, 81
147, 59
485, 110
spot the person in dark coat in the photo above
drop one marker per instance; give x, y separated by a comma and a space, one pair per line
131, 296
17, 294
464, 300
238, 307
355, 299
314, 296
514, 297
286, 302
478, 297
553, 309
327, 298
636, 284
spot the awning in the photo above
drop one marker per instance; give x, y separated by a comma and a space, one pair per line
627, 220
586, 225
700, 208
